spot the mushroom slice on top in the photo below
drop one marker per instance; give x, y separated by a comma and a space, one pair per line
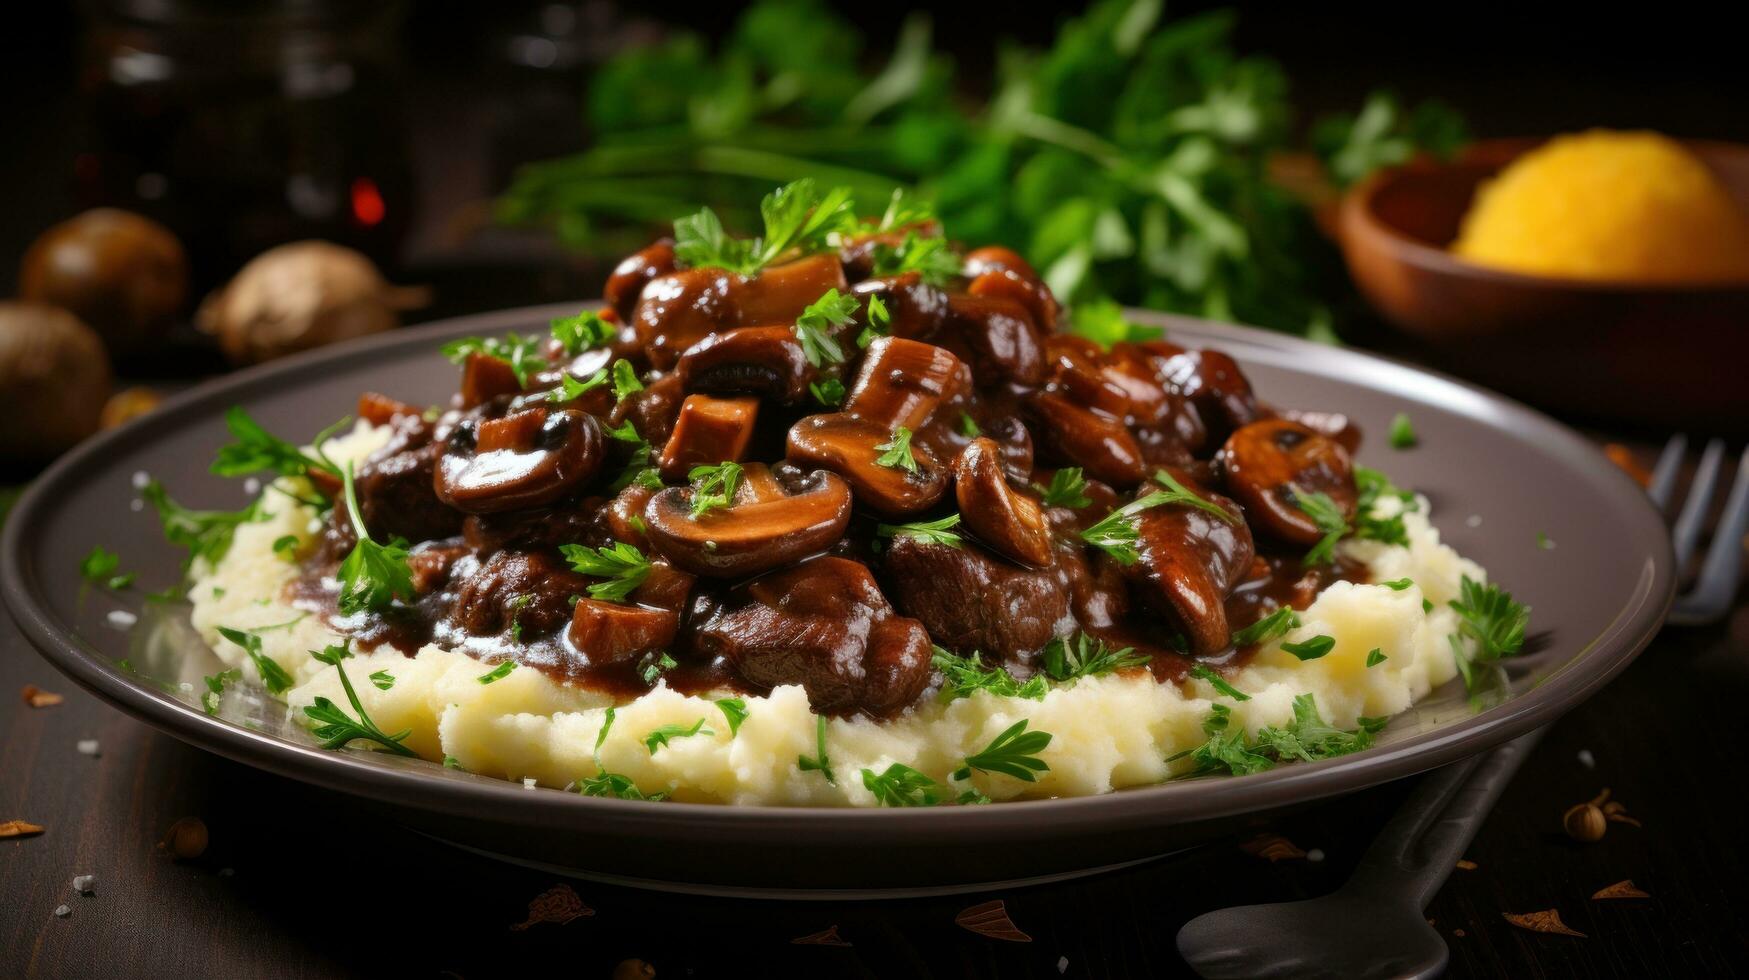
766, 361
1212, 382
852, 447
1008, 521
1270, 464
998, 336
1189, 560
485, 377
766, 525
1077, 436
709, 431
779, 293
677, 310
634, 272
1029, 293
527, 459
901, 382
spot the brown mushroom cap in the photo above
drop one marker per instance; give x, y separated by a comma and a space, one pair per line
123, 274
527, 459
1189, 560
1102, 446
779, 293
679, 309
1269, 463
709, 431
767, 525
1212, 382
822, 624
901, 382
1009, 521
766, 361
54, 378
633, 273
1017, 288
848, 446
917, 309
997, 335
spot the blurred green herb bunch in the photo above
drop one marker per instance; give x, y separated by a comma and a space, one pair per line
1131, 161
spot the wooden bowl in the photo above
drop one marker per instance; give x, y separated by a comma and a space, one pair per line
1656, 354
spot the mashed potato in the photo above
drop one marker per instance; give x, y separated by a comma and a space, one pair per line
1108, 732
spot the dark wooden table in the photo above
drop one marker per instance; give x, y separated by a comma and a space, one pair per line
299, 882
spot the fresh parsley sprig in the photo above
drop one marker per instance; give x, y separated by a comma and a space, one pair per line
623, 565
896, 452
334, 727
798, 218
1494, 624
571, 389
713, 487
813, 328
1272, 626
1203, 672
1311, 649
612, 784
215, 689
523, 354
1087, 656
1307, 738
207, 534
625, 380
927, 255
373, 575
582, 332
938, 531
962, 677
1331, 522
1012, 753
879, 322
660, 737
255, 450
901, 785
272, 674
818, 763
102, 567
1117, 534
734, 712
1068, 489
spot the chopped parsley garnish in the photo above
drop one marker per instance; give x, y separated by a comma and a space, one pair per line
901, 785
1086, 656
1274, 625
373, 575
286, 546
207, 534
820, 763
928, 256
570, 388
637, 470
1203, 672
621, 564
1068, 489
1398, 584
659, 738
904, 209
579, 333
611, 784
879, 322
1388, 530
930, 532
1426, 605
1012, 753
734, 711
1311, 649
334, 727
1494, 623
896, 452
256, 450
969, 426
1117, 534
1402, 432
1307, 738
814, 327
625, 380
962, 677
272, 674
624, 432
100, 568
497, 673
1543, 542
1325, 513
451, 762
215, 689
797, 216
523, 354
383, 680
654, 665
1375, 656
713, 487
829, 392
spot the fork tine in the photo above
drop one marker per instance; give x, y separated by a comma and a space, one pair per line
1716, 587
1694, 509
1664, 474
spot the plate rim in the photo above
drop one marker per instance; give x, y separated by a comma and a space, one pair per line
1168, 803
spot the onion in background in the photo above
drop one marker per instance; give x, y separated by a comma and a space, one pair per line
123, 275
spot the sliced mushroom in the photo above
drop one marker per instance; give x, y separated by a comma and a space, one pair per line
970, 600
1075, 436
997, 336
1213, 382
1077, 372
766, 361
822, 624
527, 459
901, 383
779, 293
997, 258
849, 446
1016, 288
709, 431
766, 526
616, 632
681, 308
1189, 560
633, 273
1270, 464
484, 378
654, 410
380, 409
1336, 425
395, 492
1010, 522
917, 310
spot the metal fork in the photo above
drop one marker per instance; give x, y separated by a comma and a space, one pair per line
1716, 584
1372, 926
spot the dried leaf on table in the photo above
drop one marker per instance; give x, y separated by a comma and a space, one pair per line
558, 905
1548, 920
991, 921
828, 937
1465, 864
1272, 846
1621, 889
36, 697
18, 828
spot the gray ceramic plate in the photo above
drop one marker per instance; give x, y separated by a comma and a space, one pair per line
1497, 474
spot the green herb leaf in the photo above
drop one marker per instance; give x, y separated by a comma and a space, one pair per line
1398, 584
713, 487
1012, 753
1087, 656
969, 426
582, 332
523, 354
814, 327
1494, 623
734, 711
1117, 535
1309, 738
660, 737
879, 322
962, 677
1375, 656
383, 680
931, 532
207, 534
570, 388
1204, 673
901, 785
334, 727
896, 452
286, 547
256, 450
820, 763
272, 674
623, 565
1325, 513
1374, 486
497, 673
1226, 749
1402, 432
1274, 625
625, 380
1068, 489
373, 575
215, 689
829, 392
654, 665
99, 568
1311, 649
928, 256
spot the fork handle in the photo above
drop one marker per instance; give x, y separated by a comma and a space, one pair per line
1417, 850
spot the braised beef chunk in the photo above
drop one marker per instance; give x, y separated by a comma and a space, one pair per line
735, 451
971, 600
822, 624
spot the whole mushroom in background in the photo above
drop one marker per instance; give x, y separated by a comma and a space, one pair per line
54, 380
124, 275
302, 295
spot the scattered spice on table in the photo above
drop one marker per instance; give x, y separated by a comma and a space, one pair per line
1621, 889
186, 839
19, 828
1548, 920
991, 920
1586, 822
85, 884
827, 937
1465, 864
633, 970
36, 697
1617, 813
558, 905
1273, 847
89, 746
63, 910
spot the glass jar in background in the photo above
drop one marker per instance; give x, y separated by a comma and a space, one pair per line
244, 124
